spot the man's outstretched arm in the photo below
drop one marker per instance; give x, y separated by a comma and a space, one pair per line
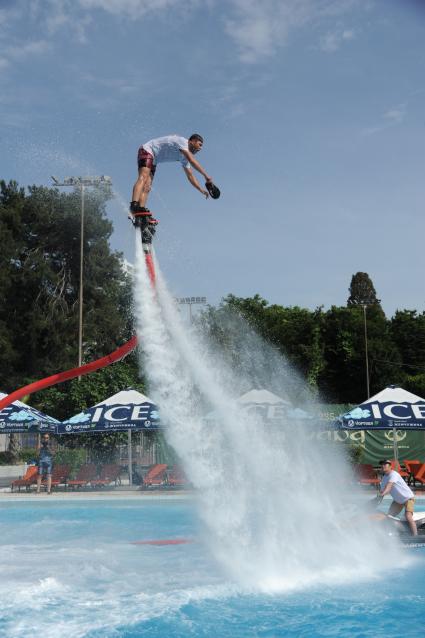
191, 158
192, 179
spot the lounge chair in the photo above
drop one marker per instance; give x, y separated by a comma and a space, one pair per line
109, 473
177, 478
157, 475
411, 466
85, 475
420, 474
29, 478
366, 475
395, 465
60, 474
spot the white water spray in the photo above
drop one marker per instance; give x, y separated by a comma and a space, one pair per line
271, 499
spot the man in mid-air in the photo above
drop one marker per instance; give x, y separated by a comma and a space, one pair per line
171, 148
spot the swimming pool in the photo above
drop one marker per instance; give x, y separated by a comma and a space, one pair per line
70, 570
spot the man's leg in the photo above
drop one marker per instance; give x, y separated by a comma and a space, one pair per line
409, 516
142, 186
49, 483
395, 509
146, 188
38, 480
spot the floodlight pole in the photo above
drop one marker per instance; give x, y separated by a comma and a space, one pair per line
81, 182
191, 301
80, 295
366, 352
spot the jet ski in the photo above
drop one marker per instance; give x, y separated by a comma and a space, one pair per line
399, 527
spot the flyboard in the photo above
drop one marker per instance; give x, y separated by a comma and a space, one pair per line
147, 225
148, 230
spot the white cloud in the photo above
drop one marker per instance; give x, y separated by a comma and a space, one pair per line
392, 117
134, 8
259, 29
16, 53
331, 42
29, 48
396, 114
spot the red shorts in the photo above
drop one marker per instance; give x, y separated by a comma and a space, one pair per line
145, 159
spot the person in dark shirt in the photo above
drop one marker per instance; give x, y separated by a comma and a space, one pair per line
45, 463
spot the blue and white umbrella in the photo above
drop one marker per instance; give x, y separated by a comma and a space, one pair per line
392, 408
264, 404
125, 410
264, 407
18, 418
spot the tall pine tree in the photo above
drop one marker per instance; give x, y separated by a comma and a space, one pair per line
362, 291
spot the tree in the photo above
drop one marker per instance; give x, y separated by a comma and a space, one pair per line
295, 332
362, 291
343, 379
39, 283
64, 400
408, 333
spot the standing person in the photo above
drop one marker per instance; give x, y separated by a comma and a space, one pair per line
171, 148
403, 497
45, 462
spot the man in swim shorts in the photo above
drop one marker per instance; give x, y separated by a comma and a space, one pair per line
171, 148
45, 463
403, 497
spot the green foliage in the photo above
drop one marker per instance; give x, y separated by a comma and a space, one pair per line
72, 457
39, 289
408, 333
354, 453
66, 399
415, 383
362, 291
39, 283
28, 455
7, 458
165, 453
329, 348
344, 372
294, 331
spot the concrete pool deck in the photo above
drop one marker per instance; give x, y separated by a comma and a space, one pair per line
116, 494
125, 492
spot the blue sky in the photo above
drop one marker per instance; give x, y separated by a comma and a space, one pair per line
312, 113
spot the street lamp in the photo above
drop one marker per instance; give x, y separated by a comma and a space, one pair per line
81, 183
191, 301
366, 353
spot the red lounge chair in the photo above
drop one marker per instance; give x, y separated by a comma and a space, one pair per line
177, 478
85, 475
412, 466
108, 474
420, 474
60, 475
366, 475
395, 465
156, 475
29, 478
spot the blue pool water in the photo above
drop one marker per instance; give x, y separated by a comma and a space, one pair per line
71, 570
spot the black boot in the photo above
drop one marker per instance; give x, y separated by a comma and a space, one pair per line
136, 208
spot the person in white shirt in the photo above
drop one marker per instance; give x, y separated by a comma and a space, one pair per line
171, 148
403, 497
